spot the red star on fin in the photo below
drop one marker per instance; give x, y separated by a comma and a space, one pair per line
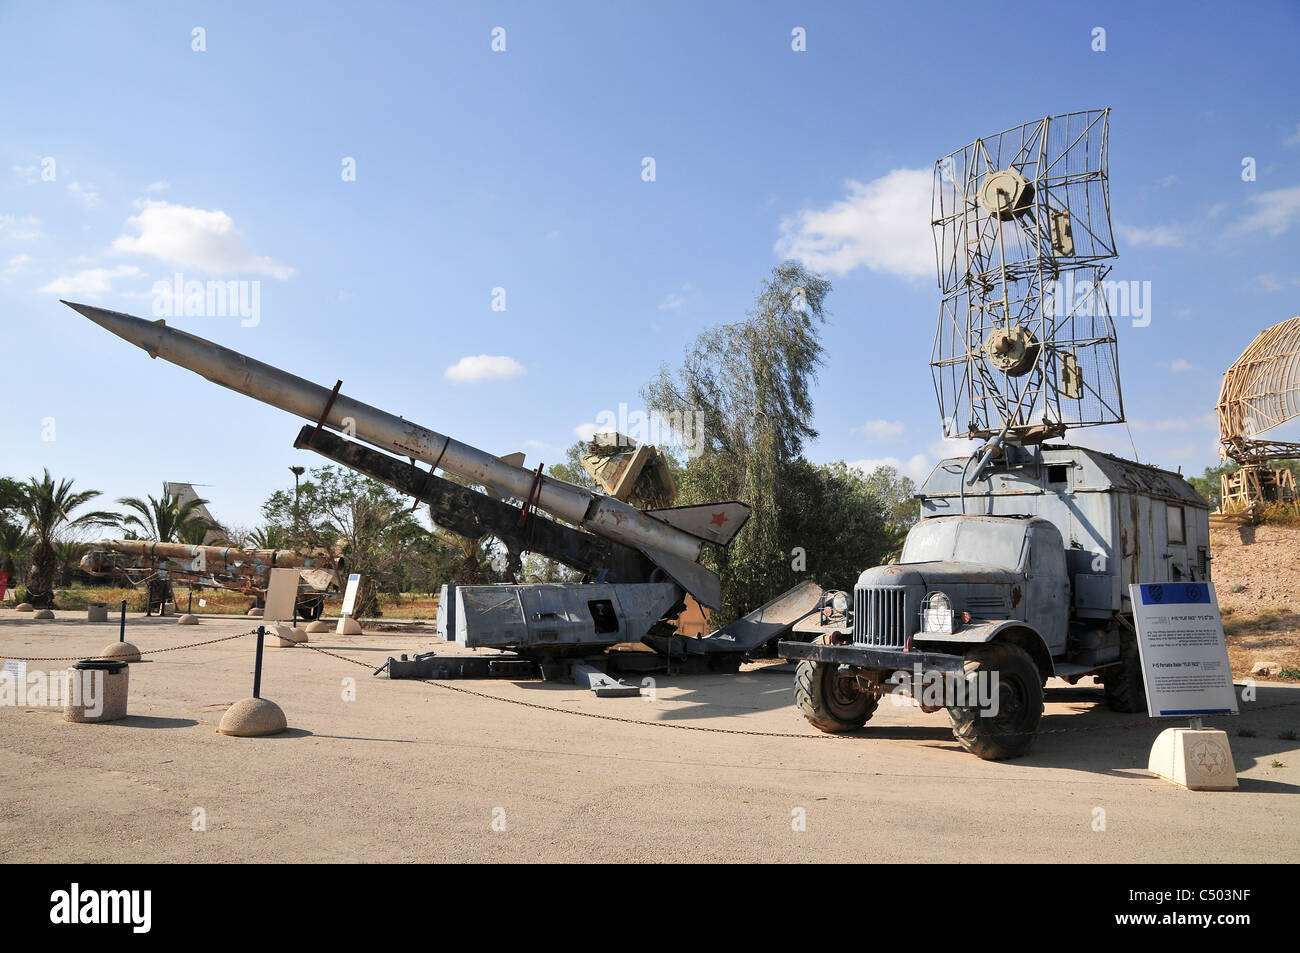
719, 518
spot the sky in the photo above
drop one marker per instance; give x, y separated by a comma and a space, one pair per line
469, 236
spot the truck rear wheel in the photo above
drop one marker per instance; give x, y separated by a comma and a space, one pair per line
1019, 689
1125, 690
829, 697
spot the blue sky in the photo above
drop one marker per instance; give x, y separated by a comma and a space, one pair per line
522, 170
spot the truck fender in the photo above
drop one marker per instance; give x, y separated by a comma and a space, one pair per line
1012, 631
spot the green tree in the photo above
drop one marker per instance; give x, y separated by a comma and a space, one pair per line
69, 553
371, 528
751, 381
47, 507
166, 519
15, 544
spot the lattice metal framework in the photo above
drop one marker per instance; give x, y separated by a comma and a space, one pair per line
1260, 391
1022, 227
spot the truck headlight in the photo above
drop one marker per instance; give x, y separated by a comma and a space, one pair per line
936, 613
840, 603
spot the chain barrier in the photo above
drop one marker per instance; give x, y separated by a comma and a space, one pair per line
731, 731
615, 718
95, 658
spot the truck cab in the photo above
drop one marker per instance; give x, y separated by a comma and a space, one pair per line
1022, 578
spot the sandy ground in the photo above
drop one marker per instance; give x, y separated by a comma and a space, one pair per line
1256, 571
414, 772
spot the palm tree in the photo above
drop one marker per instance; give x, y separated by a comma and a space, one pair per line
268, 537
69, 553
15, 542
297, 472
166, 519
47, 507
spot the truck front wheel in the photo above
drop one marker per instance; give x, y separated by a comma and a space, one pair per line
1125, 690
1005, 674
829, 696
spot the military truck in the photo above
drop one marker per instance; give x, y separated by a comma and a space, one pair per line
1021, 576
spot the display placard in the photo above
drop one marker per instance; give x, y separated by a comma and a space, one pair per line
281, 595
350, 594
1184, 654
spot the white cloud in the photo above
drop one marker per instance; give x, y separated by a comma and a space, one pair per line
881, 429
157, 186
194, 238
1179, 366
586, 431
1268, 282
673, 302
16, 265
917, 467
1158, 236
19, 229
85, 194
484, 367
92, 282
883, 225
1272, 212
1294, 138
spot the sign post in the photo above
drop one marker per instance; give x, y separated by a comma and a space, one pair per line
348, 625
1186, 674
281, 599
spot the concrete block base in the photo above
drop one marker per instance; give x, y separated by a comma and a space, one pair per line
1198, 759
253, 718
97, 612
348, 626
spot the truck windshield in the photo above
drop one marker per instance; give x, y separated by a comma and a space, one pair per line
963, 540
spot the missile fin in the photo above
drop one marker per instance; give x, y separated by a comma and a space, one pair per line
699, 581
712, 522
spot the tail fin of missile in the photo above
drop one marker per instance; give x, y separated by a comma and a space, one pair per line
699, 581
712, 522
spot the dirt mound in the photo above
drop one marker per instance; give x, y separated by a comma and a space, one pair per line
1256, 571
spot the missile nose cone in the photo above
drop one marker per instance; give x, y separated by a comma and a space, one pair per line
126, 326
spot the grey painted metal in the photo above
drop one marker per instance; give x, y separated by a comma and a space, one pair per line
1114, 516
871, 658
599, 514
553, 618
601, 685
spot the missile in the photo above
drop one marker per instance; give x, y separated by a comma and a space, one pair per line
673, 538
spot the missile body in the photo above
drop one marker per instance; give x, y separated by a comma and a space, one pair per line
602, 515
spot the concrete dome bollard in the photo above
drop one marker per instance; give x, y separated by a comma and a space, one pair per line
253, 718
255, 612
123, 651
43, 614
317, 627
349, 626
24, 607
188, 619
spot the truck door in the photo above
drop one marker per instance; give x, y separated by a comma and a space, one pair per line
1048, 608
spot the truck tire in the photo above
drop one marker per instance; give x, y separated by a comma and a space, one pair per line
1010, 732
824, 697
1125, 690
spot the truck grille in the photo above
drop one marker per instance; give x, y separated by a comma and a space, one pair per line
880, 616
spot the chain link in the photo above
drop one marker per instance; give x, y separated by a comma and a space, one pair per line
96, 658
